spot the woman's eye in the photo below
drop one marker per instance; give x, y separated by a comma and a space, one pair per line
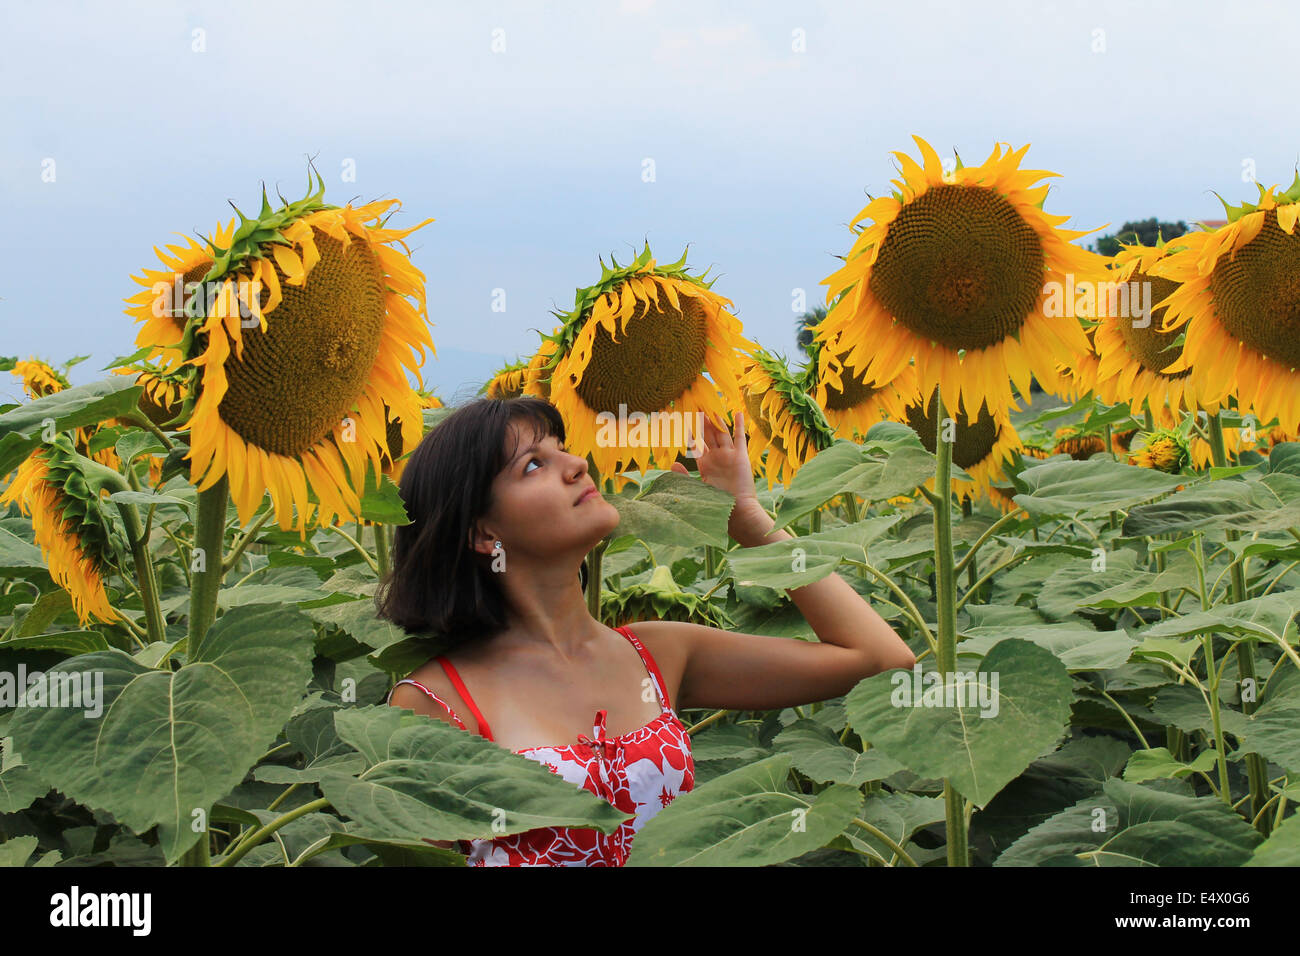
529, 462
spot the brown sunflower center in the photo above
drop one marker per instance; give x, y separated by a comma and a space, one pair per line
653, 363
301, 378
1257, 293
960, 266
855, 391
973, 441
1153, 349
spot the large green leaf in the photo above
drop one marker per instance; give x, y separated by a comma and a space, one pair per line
675, 509
1090, 488
1134, 825
871, 471
18, 555
748, 817
1080, 648
21, 428
1158, 764
429, 780
1282, 848
801, 561
898, 815
1030, 707
1263, 617
169, 743
818, 754
1255, 504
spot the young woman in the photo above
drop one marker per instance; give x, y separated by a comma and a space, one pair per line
502, 516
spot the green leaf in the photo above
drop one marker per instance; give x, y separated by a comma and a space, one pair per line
849, 467
818, 754
18, 555
44, 612
1029, 704
1134, 825
1265, 504
382, 502
16, 850
67, 642
1079, 648
360, 621
1159, 764
898, 815
1282, 848
675, 509
748, 817
20, 787
168, 743
1089, 488
800, 561
21, 429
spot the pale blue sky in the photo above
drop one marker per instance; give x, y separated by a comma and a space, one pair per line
530, 158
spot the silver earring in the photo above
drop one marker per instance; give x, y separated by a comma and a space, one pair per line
499, 558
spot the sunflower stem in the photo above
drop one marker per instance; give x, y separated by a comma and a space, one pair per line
383, 556
244, 541
205, 584
144, 572
851, 506
1255, 769
946, 602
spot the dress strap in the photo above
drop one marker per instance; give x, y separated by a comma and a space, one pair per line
650, 665
459, 684
459, 723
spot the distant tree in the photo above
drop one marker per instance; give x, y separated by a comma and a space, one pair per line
1141, 233
805, 325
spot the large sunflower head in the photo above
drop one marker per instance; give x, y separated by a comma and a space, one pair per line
1137, 361
781, 419
77, 538
298, 336
963, 270
627, 370
1238, 294
850, 405
981, 446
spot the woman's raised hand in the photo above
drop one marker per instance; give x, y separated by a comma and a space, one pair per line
724, 463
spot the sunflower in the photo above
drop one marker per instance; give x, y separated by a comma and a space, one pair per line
536, 378
1164, 449
1120, 441
1070, 441
636, 344
1200, 450
849, 404
396, 450
659, 598
299, 399
1139, 363
780, 418
964, 271
981, 448
1239, 298
508, 382
75, 536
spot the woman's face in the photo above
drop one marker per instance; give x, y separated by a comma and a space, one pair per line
538, 506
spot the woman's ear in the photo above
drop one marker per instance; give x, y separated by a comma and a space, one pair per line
481, 541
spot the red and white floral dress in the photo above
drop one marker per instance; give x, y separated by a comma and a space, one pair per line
639, 772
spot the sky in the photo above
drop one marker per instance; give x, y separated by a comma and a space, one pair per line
541, 136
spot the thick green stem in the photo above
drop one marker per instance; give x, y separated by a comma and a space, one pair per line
851, 506
946, 601
1255, 767
383, 556
209, 535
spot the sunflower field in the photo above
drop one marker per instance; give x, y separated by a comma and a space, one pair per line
1071, 482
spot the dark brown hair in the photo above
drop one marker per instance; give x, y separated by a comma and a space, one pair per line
439, 586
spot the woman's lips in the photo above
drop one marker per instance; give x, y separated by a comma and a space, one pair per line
590, 493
